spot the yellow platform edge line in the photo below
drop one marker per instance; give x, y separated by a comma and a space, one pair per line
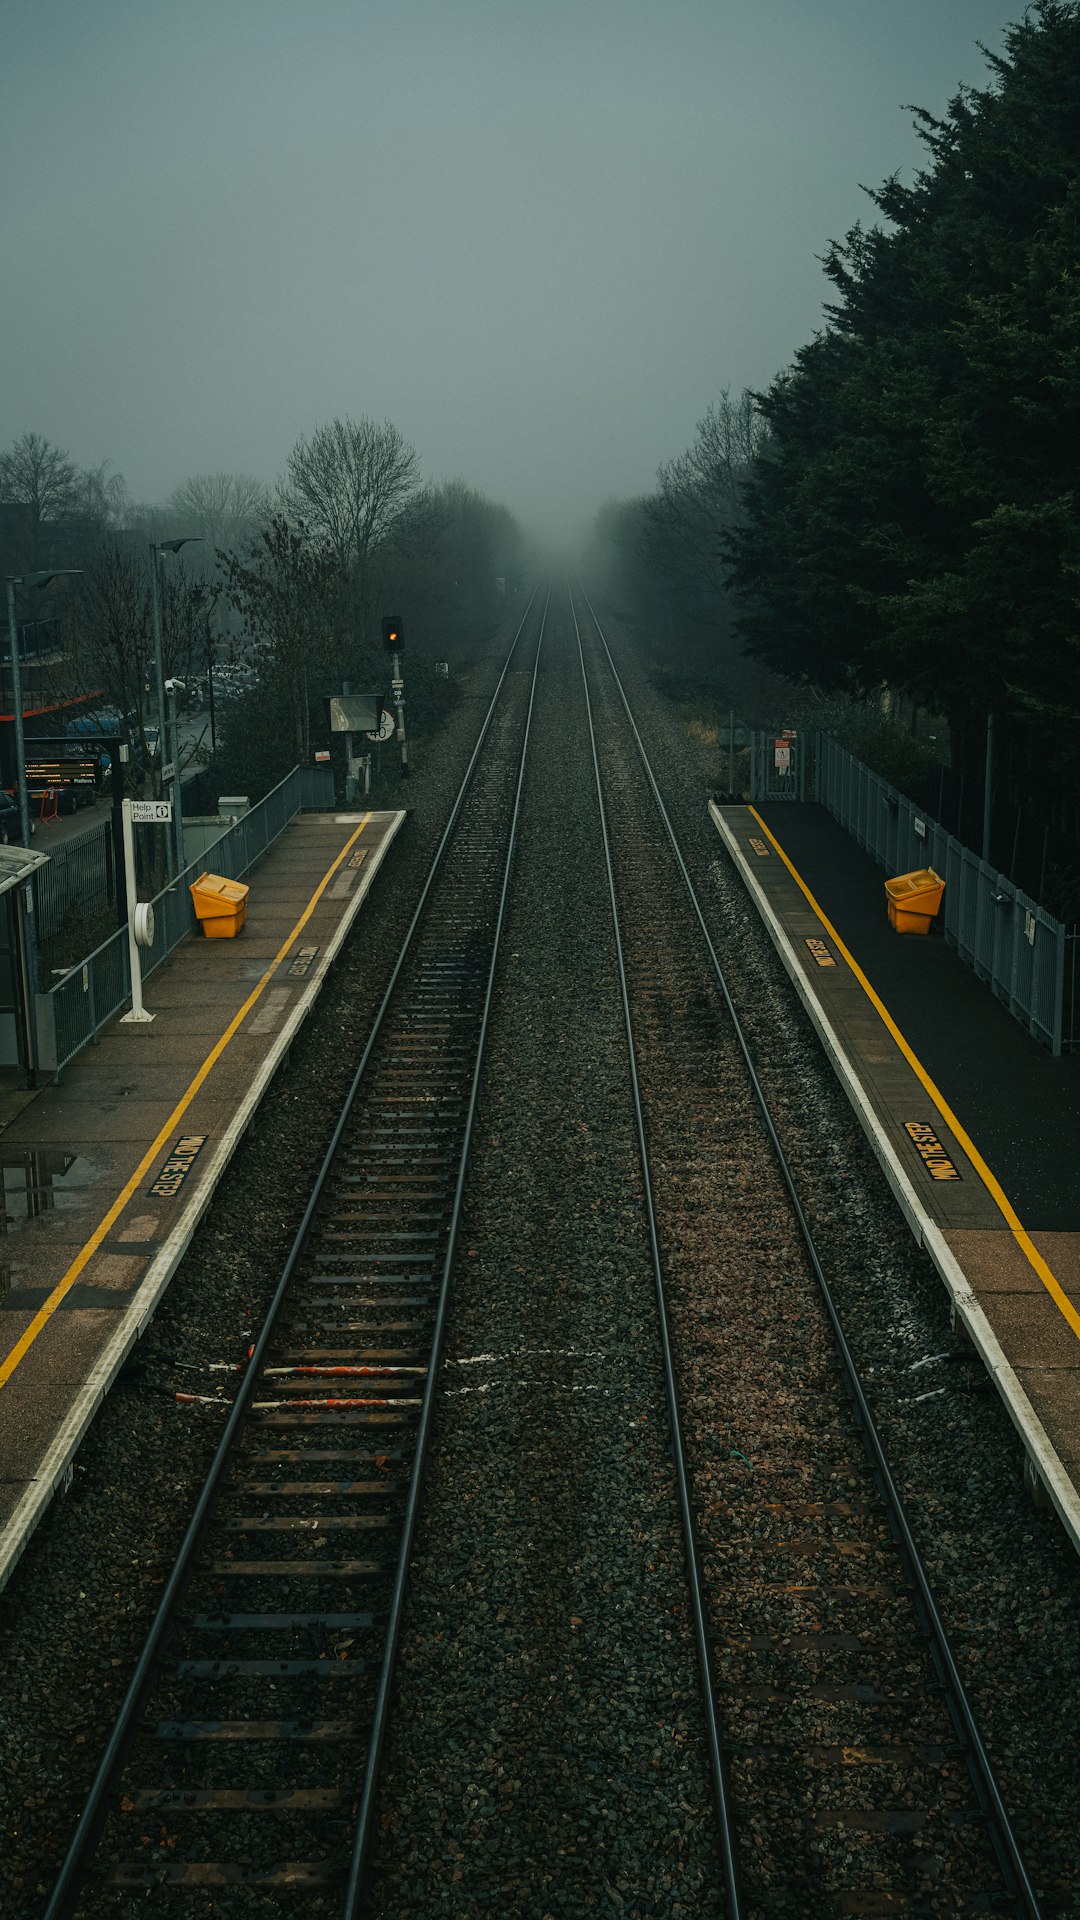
87, 1251
993, 1187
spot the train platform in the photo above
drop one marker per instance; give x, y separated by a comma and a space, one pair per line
107, 1172
976, 1126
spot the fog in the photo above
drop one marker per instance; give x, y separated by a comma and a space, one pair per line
538, 235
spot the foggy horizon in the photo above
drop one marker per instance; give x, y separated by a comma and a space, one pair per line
539, 240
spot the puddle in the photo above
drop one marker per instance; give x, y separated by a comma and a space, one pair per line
39, 1179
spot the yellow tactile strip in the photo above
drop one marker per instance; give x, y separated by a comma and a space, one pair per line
161, 1141
993, 1187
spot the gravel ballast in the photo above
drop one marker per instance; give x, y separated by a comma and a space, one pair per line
546, 1755
76, 1611
547, 1751
1006, 1580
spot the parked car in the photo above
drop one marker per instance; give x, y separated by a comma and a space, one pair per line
99, 720
10, 823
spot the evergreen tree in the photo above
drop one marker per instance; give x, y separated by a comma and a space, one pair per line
913, 519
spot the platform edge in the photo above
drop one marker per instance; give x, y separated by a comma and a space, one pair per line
1033, 1436
60, 1455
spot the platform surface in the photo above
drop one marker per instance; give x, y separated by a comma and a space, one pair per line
977, 1127
107, 1173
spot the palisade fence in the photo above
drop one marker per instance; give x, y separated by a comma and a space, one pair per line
79, 879
79, 1005
1028, 958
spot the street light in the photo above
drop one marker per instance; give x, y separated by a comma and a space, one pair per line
27, 580
178, 817
158, 547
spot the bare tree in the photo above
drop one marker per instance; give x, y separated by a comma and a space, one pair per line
287, 590
102, 497
699, 494
447, 567
43, 479
107, 635
350, 484
224, 509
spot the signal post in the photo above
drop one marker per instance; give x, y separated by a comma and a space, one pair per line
394, 641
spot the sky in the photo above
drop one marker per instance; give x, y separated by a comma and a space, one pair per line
540, 236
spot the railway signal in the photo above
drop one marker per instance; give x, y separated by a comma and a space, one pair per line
393, 634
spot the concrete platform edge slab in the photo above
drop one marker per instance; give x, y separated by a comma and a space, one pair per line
1044, 1460
58, 1457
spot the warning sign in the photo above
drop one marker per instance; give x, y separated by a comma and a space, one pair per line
930, 1150
302, 962
820, 951
174, 1172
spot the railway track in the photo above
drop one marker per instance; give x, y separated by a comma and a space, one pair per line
248, 1746
850, 1776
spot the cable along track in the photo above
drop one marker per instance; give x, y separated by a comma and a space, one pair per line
246, 1754
850, 1776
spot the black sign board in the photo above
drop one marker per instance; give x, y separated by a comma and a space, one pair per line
41, 774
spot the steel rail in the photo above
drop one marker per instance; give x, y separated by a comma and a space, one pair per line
94, 1811
361, 1858
1010, 1858
721, 1789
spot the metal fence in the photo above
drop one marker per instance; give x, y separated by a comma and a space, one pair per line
777, 767
1012, 943
81, 1003
80, 879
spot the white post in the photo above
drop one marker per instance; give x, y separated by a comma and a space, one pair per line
138, 1015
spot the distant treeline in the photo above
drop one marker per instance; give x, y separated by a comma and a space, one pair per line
897, 518
291, 581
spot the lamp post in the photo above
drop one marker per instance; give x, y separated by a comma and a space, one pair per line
157, 548
178, 817
27, 580
210, 698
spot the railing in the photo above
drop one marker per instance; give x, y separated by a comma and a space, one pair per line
1010, 942
88, 996
80, 878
